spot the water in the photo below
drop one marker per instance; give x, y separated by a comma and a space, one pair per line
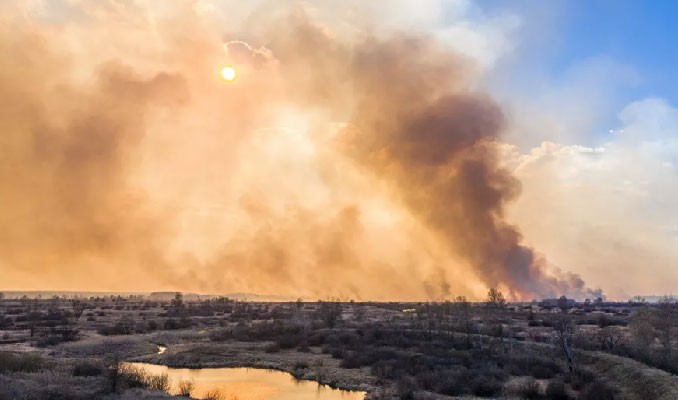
249, 384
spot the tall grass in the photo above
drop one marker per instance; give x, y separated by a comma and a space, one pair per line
128, 376
185, 388
21, 362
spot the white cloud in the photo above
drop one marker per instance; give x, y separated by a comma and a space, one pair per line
608, 213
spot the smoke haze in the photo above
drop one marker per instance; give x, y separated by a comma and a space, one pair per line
345, 160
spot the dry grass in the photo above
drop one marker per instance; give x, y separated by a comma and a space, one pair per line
185, 388
636, 380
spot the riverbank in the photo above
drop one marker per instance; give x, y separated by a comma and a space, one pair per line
312, 365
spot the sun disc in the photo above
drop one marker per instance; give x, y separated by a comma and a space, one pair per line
228, 73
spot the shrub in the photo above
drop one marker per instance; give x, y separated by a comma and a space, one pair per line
538, 367
127, 376
556, 391
131, 377
530, 389
337, 353
317, 338
272, 348
598, 391
581, 378
406, 386
86, 368
303, 347
120, 328
185, 388
20, 362
6, 322
484, 386
214, 395
157, 382
449, 385
542, 372
288, 341
301, 365
353, 360
220, 335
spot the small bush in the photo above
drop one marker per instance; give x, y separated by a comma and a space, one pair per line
86, 368
185, 388
157, 382
303, 347
406, 387
126, 376
337, 353
484, 386
598, 391
530, 390
301, 365
353, 360
556, 391
214, 395
581, 378
20, 362
272, 348
289, 341
220, 335
537, 367
117, 329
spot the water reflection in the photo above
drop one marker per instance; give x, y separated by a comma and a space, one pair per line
249, 384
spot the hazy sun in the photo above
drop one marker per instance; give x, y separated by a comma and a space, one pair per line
228, 73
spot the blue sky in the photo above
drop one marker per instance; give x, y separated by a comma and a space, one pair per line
587, 59
641, 34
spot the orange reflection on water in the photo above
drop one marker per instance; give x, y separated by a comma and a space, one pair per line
248, 384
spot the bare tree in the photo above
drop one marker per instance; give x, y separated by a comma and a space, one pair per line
610, 337
563, 303
329, 311
642, 329
495, 298
464, 309
565, 330
178, 303
665, 323
78, 308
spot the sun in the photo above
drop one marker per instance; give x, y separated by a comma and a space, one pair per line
228, 73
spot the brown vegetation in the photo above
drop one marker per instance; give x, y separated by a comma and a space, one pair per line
493, 349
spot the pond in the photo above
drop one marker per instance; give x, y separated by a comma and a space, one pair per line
248, 384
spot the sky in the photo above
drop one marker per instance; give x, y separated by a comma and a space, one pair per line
630, 40
614, 63
638, 34
413, 152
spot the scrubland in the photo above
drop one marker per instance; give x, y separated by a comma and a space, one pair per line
75, 348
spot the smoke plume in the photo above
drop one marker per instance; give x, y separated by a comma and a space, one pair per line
346, 162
